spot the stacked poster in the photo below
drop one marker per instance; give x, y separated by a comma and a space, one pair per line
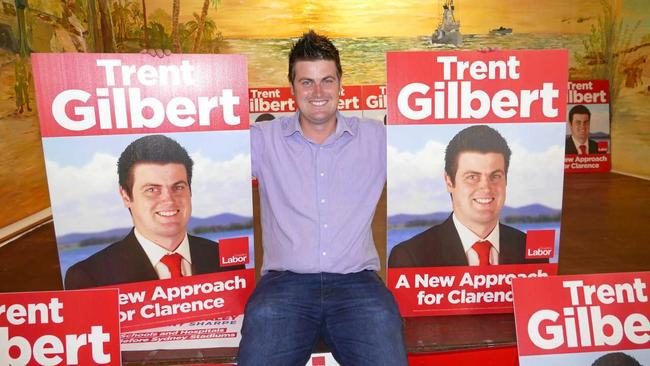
475, 174
55, 328
145, 157
587, 145
269, 103
583, 320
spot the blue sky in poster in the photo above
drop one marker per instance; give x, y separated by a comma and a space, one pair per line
82, 178
416, 166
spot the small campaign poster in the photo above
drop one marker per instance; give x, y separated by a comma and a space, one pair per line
475, 176
583, 320
148, 167
374, 102
57, 328
588, 138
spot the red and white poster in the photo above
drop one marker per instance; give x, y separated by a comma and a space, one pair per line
58, 328
475, 174
583, 320
588, 139
146, 157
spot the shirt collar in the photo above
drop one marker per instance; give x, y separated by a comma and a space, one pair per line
155, 252
468, 238
292, 125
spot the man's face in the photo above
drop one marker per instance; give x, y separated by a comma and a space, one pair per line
161, 205
316, 87
580, 127
479, 191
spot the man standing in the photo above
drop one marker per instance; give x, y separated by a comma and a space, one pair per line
155, 176
320, 177
476, 170
579, 123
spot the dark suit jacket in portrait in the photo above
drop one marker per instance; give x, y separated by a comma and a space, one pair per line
125, 261
570, 147
440, 245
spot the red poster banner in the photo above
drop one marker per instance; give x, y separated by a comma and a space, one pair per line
90, 94
271, 100
588, 92
583, 313
157, 303
374, 97
472, 87
459, 290
60, 328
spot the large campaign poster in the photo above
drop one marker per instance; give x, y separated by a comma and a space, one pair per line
583, 320
147, 156
475, 174
588, 138
57, 328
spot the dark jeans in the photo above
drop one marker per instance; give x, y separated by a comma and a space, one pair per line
355, 315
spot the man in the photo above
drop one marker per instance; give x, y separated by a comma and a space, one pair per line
476, 170
320, 176
579, 142
155, 176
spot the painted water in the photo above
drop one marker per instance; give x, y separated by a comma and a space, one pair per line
363, 58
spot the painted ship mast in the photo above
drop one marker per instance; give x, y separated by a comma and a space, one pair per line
448, 30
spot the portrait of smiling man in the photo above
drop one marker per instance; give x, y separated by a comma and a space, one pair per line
578, 142
155, 177
476, 171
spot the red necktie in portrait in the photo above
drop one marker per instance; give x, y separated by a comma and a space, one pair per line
482, 248
173, 263
583, 149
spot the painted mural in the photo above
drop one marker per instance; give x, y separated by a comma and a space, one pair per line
607, 39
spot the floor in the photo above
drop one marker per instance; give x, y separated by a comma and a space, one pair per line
603, 230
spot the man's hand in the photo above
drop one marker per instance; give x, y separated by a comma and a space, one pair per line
157, 52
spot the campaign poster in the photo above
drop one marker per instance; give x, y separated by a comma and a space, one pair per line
56, 328
588, 137
583, 320
374, 102
145, 157
475, 176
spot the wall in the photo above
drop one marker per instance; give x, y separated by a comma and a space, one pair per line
606, 39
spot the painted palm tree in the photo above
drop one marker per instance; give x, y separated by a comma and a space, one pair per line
158, 38
120, 16
201, 24
144, 27
135, 20
176, 9
106, 21
209, 28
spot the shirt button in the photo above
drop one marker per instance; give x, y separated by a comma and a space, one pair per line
325, 226
322, 201
322, 174
324, 253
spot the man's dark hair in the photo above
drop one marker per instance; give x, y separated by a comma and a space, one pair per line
312, 47
479, 138
578, 109
156, 149
616, 359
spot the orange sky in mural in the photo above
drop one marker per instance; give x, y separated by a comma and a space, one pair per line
359, 18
